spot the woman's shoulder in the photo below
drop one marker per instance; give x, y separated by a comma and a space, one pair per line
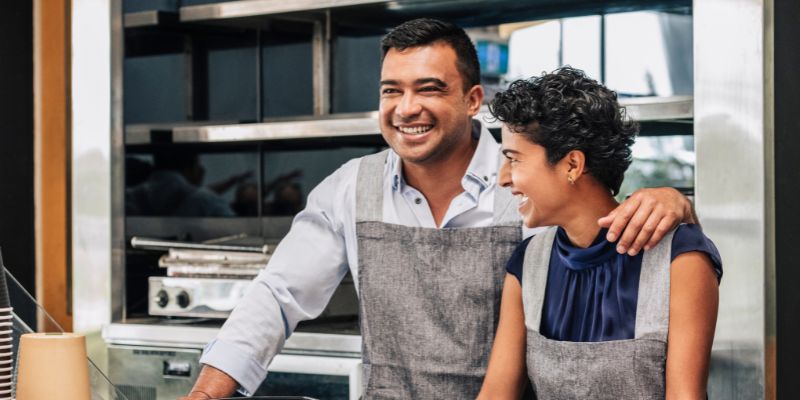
690, 238
514, 264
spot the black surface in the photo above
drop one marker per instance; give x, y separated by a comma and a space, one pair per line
787, 191
16, 144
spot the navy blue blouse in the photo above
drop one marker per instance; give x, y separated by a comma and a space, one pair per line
591, 293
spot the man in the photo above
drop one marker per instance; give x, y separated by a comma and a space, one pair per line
429, 297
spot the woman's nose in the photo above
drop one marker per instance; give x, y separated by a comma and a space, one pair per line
504, 175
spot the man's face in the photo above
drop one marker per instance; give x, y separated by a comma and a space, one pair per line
425, 114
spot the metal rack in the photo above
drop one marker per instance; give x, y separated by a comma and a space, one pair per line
675, 109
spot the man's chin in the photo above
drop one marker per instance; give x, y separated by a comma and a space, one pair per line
413, 156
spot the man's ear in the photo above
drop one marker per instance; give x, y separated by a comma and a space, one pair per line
474, 99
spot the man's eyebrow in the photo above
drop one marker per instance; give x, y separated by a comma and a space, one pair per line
421, 81
436, 81
509, 151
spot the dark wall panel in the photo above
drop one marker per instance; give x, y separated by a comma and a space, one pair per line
787, 193
356, 73
16, 142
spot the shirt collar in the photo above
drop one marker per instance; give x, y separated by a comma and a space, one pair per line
481, 171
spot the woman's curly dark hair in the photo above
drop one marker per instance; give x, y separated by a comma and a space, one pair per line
565, 110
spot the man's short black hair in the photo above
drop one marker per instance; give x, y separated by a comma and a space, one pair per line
426, 31
564, 111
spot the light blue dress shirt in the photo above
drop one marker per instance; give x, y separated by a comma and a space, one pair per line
320, 247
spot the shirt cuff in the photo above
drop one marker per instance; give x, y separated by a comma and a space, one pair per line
228, 358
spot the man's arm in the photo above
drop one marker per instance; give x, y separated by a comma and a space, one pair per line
645, 217
296, 285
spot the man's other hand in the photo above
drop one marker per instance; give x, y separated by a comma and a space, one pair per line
211, 384
645, 217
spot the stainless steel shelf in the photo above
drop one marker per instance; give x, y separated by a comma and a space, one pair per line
196, 337
380, 14
149, 18
645, 109
331, 126
257, 8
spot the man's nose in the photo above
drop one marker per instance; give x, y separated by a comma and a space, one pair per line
408, 106
504, 175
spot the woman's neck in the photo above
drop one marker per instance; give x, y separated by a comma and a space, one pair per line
581, 226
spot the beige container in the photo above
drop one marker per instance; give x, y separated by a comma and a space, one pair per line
53, 366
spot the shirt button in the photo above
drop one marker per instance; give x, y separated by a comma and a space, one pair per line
418, 200
486, 178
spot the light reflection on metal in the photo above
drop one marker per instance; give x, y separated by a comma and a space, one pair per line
731, 135
91, 163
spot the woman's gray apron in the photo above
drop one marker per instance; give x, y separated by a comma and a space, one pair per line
429, 298
620, 369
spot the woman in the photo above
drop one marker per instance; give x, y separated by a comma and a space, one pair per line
582, 320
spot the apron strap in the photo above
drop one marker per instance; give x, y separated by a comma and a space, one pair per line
369, 187
652, 307
534, 276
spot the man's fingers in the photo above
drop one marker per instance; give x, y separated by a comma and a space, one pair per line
647, 231
623, 214
606, 221
634, 225
667, 223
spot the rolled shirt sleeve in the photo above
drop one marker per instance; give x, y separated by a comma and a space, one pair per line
296, 285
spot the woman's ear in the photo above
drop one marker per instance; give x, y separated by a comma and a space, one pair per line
576, 165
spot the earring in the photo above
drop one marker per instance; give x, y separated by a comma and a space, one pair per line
570, 179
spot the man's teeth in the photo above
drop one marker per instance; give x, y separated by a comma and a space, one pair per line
414, 130
521, 197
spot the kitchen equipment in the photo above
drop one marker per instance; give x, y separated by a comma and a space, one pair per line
203, 280
195, 297
150, 372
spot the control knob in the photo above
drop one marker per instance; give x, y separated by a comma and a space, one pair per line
183, 299
162, 298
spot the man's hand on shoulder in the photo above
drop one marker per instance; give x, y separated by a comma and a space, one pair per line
645, 217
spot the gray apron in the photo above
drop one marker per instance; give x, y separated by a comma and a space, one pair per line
620, 369
429, 298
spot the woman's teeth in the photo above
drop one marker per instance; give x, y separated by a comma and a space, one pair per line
522, 198
414, 130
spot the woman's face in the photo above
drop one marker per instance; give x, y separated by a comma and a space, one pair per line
542, 188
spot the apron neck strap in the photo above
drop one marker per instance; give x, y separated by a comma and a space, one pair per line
534, 276
652, 305
369, 187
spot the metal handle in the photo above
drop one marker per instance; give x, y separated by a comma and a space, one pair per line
155, 244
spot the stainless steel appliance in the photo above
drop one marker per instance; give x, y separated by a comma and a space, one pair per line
150, 362
203, 280
194, 297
